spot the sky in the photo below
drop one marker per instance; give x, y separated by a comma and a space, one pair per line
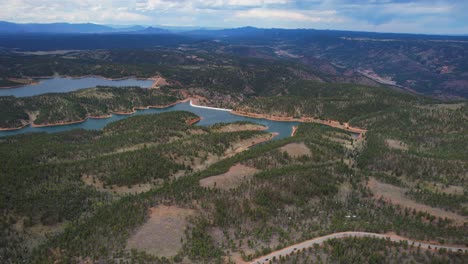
404, 16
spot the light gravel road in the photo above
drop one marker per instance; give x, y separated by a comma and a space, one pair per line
320, 240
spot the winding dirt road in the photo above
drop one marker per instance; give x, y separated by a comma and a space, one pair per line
321, 240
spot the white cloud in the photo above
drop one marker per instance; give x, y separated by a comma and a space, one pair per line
78, 11
445, 16
156, 5
417, 9
146, 5
274, 14
254, 2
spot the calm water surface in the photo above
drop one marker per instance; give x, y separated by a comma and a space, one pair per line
65, 84
209, 117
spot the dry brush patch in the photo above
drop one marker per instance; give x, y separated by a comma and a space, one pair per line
296, 150
100, 186
245, 144
231, 179
396, 195
162, 234
396, 144
240, 127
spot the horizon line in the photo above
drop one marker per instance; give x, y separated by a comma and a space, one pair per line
207, 28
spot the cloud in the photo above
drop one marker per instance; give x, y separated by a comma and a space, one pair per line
246, 3
44, 11
418, 9
423, 16
150, 5
380, 12
274, 14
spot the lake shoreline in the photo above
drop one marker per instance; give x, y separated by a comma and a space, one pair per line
64, 123
35, 81
209, 107
294, 130
193, 121
331, 123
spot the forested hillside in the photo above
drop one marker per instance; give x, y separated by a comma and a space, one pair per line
52, 180
290, 190
72, 107
161, 189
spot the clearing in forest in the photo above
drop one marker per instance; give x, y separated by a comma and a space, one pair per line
243, 145
161, 235
296, 150
240, 127
159, 82
231, 179
396, 144
396, 195
198, 163
99, 185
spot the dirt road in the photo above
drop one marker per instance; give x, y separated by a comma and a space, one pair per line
320, 240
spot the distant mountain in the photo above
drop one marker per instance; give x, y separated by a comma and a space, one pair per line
272, 34
227, 32
127, 27
68, 28
44, 42
186, 28
428, 64
152, 30
8, 27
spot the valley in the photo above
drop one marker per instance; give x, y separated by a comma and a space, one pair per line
233, 147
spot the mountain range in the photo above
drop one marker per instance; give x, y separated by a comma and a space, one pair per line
428, 64
90, 28
63, 28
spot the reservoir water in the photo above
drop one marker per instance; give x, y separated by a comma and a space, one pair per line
209, 117
63, 84
67, 84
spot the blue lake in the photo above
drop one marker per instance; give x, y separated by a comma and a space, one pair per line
209, 117
66, 84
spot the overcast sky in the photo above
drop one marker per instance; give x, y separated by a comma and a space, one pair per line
411, 16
